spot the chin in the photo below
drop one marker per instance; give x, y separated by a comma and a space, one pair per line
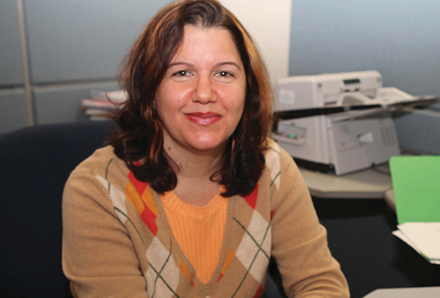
208, 145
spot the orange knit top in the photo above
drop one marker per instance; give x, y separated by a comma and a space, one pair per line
198, 230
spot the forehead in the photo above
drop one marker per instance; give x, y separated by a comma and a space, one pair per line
215, 43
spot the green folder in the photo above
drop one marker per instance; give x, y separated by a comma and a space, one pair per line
416, 183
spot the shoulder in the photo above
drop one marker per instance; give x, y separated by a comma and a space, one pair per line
101, 168
276, 157
102, 163
98, 162
276, 152
280, 165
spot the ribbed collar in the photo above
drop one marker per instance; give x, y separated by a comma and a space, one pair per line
172, 202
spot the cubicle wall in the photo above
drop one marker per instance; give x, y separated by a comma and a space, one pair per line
12, 95
71, 47
398, 38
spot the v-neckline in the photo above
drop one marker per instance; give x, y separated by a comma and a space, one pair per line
204, 288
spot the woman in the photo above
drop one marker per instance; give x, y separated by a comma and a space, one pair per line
191, 199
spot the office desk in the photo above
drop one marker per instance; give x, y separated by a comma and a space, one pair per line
390, 199
366, 184
429, 292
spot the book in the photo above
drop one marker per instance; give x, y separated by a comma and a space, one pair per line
416, 183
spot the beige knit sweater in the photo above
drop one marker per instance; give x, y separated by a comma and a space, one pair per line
117, 241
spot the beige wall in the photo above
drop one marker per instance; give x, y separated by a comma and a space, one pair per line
269, 24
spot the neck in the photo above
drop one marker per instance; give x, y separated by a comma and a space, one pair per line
194, 171
194, 165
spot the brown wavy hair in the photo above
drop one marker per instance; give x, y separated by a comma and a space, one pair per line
140, 136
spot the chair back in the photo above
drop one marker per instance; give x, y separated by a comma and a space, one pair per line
35, 163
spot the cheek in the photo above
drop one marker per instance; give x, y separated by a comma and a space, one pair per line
164, 110
171, 97
237, 109
166, 101
234, 97
240, 103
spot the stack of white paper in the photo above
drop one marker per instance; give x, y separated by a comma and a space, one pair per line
424, 237
118, 96
102, 103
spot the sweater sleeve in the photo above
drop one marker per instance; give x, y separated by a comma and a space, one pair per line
98, 255
300, 242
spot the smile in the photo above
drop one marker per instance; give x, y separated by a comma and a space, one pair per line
204, 119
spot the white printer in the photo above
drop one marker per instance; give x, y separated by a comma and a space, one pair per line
349, 88
337, 122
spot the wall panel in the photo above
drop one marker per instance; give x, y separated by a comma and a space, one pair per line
399, 38
57, 104
82, 39
12, 110
11, 68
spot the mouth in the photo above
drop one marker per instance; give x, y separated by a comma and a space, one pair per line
204, 119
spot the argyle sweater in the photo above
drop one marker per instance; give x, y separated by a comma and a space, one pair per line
117, 241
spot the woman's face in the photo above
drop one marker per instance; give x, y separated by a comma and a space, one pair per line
201, 97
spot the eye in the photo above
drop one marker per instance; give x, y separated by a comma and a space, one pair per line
223, 74
182, 73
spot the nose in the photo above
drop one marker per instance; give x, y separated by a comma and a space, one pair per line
204, 93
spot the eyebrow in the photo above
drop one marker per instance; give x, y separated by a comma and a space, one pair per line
180, 63
228, 63
192, 65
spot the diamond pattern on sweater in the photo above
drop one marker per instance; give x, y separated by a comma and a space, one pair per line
259, 292
117, 197
162, 274
273, 162
251, 199
141, 197
254, 249
138, 185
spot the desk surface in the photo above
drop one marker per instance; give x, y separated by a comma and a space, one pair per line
428, 292
366, 184
390, 199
